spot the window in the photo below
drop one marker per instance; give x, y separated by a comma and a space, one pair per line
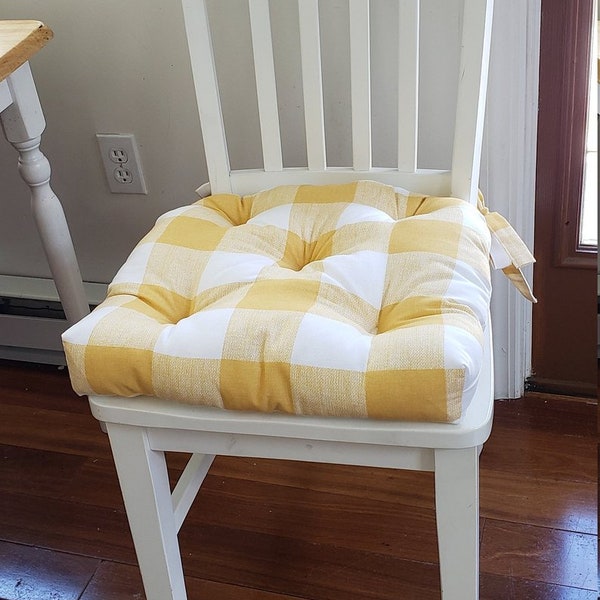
588, 228
577, 242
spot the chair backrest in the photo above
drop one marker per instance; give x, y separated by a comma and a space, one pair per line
460, 180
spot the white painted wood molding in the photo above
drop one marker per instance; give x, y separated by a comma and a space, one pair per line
508, 176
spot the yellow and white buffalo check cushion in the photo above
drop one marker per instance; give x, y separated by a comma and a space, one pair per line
351, 300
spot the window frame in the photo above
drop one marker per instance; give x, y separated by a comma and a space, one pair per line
572, 152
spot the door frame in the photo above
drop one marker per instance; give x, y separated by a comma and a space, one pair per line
508, 175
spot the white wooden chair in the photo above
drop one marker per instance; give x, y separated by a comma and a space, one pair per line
141, 430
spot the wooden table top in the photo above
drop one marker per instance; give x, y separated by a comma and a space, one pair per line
19, 40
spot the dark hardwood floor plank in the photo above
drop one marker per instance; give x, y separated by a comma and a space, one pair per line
544, 437
29, 573
298, 568
536, 454
317, 517
323, 517
39, 472
53, 430
498, 587
412, 488
550, 413
39, 386
536, 553
539, 501
56, 524
114, 581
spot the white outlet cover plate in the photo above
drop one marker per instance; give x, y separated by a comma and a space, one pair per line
129, 162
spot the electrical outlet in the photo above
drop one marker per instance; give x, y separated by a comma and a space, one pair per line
123, 175
118, 155
122, 164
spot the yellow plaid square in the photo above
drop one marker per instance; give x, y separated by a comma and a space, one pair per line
184, 232
249, 385
281, 295
409, 395
121, 371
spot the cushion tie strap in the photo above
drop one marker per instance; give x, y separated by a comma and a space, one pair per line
508, 251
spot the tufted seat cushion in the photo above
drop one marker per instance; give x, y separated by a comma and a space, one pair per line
353, 300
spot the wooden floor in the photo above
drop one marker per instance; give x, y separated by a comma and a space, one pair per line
267, 530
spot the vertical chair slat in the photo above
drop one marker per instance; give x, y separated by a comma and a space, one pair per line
360, 86
472, 86
310, 49
264, 67
408, 84
207, 94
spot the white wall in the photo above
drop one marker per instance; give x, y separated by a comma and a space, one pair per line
117, 66
112, 67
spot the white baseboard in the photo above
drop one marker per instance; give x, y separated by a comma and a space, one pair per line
32, 338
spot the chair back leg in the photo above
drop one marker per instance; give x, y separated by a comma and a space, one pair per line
457, 511
147, 495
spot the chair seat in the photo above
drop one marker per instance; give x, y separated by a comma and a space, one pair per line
353, 300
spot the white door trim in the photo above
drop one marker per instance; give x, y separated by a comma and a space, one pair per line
508, 174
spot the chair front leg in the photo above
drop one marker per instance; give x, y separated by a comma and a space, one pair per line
457, 510
146, 492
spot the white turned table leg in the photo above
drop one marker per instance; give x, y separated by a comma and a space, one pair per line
23, 124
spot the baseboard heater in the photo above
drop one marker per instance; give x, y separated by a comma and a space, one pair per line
32, 319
